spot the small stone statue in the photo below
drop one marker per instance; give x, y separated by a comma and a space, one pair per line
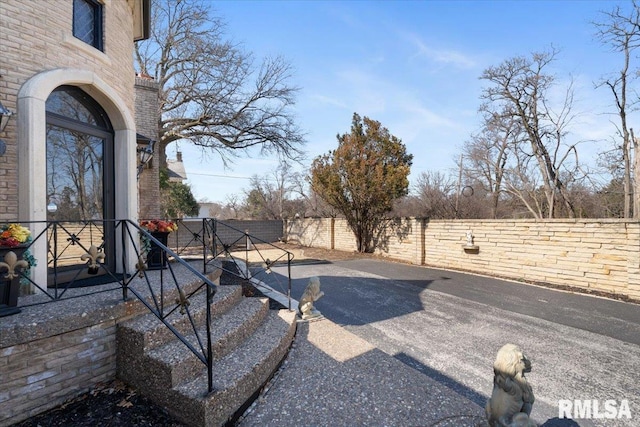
311, 294
512, 398
469, 239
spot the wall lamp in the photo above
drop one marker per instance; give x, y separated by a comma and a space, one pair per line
145, 151
5, 115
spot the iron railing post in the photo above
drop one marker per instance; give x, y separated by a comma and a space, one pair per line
246, 254
289, 274
125, 285
209, 347
55, 259
204, 245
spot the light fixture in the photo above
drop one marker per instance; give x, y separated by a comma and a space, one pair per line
5, 115
145, 151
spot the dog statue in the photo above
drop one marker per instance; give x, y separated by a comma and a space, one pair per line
311, 294
512, 398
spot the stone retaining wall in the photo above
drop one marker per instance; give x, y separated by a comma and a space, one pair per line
42, 374
596, 255
53, 352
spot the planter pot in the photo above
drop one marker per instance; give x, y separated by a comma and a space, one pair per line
10, 288
156, 258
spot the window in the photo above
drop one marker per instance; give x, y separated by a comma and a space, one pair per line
87, 22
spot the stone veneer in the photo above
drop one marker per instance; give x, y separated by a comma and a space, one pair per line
599, 255
50, 353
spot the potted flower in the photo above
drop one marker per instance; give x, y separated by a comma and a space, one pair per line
13, 235
14, 259
159, 226
159, 229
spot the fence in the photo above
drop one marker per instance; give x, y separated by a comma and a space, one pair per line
68, 342
227, 231
594, 255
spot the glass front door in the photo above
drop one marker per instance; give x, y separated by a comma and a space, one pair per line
80, 189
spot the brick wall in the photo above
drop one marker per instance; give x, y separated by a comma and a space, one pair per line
147, 113
41, 374
36, 36
598, 255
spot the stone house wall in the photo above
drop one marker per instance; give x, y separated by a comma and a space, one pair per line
147, 113
37, 36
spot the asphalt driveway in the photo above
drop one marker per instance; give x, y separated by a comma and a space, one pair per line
448, 326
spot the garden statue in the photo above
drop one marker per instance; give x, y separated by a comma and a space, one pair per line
311, 294
469, 239
512, 398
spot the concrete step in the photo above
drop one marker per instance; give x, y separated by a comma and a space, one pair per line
173, 363
249, 341
236, 377
147, 332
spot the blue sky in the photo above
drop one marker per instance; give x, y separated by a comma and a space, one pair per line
412, 65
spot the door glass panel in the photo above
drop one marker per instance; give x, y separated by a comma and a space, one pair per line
66, 105
79, 187
74, 175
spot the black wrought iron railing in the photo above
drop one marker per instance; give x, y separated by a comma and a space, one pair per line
165, 272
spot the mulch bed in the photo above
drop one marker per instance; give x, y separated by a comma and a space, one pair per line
108, 404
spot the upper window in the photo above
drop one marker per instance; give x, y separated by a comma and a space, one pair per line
87, 22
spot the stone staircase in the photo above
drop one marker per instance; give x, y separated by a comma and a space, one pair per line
249, 341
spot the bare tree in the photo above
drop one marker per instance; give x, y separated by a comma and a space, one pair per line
620, 30
436, 194
486, 154
212, 93
519, 91
233, 205
271, 196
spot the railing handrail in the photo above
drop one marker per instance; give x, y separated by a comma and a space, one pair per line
129, 249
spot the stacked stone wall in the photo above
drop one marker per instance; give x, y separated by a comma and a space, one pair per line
312, 232
595, 255
228, 232
39, 375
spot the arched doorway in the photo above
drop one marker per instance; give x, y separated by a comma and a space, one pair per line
80, 182
79, 157
32, 150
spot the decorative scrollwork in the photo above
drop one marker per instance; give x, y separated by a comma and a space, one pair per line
93, 257
182, 301
73, 239
11, 262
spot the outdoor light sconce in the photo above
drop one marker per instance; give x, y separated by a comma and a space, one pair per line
5, 115
145, 152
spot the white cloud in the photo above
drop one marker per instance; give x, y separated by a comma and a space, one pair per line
328, 100
440, 56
